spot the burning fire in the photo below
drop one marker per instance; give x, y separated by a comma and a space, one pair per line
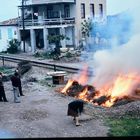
106, 96
64, 90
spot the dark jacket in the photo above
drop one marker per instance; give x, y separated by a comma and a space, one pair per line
15, 81
75, 108
1, 83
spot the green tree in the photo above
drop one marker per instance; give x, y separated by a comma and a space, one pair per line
56, 39
86, 28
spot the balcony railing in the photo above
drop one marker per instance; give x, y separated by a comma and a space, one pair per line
30, 2
51, 1
35, 22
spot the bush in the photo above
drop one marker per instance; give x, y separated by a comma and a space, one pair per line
37, 54
24, 66
13, 46
69, 55
51, 55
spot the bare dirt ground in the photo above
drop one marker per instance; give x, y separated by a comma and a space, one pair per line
42, 112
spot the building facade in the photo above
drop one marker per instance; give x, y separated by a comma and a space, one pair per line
39, 19
8, 31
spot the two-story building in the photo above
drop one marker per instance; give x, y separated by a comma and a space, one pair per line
42, 18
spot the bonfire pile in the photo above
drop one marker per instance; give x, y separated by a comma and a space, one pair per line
89, 93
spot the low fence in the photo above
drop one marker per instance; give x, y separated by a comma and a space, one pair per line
55, 67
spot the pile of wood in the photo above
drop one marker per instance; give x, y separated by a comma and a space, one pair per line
92, 95
74, 89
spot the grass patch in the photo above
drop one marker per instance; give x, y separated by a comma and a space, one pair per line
6, 70
125, 126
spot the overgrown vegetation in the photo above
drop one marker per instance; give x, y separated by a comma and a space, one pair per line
47, 55
52, 55
124, 126
24, 66
13, 46
6, 70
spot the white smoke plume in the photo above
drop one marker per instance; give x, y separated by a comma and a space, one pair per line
123, 59
119, 60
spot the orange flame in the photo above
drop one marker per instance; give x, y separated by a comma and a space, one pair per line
82, 95
119, 88
83, 77
68, 85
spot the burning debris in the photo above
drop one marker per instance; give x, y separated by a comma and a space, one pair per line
74, 89
87, 93
101, 100
107, 96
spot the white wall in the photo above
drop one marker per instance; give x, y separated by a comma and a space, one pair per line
4, 36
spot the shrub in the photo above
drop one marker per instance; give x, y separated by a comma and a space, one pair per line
69, 55
37, 54
24, 66
13, 46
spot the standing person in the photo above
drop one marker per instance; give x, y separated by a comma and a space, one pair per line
2, 91
75, 108
20, 86
15, 84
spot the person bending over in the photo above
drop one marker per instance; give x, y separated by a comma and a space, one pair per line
75, 108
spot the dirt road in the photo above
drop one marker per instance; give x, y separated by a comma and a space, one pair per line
42, 113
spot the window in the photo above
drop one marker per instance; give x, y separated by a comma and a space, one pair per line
82, 10
101, 9
92, 10
10, 33
67, 11
0, 35
49, 11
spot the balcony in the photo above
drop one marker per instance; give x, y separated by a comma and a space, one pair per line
55, 21
30, 2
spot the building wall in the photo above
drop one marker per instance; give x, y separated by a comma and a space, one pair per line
79, 20
5, 37
75, 12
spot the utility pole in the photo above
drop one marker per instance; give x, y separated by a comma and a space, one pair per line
23, 25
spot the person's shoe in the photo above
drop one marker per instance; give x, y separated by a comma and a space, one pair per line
22, 95
17, 101
78, 124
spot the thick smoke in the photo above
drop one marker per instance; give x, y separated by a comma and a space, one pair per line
120, 59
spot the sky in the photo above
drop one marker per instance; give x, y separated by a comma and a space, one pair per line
9, 8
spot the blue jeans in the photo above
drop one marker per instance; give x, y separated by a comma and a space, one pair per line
16, 94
